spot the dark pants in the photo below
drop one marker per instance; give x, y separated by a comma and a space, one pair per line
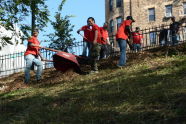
94, 54
103, 51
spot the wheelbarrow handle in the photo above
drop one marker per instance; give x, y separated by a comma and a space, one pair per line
83, 36
51, 49
46, 60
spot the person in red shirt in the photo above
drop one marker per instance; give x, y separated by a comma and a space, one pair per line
31, 57
122, 35
86, 39
137, 39
95, 39
105, 41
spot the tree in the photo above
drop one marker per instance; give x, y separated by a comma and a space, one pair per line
16, 11
61, 38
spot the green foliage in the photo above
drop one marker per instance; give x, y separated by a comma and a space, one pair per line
62, 38
13, 11
16, 11
61, 5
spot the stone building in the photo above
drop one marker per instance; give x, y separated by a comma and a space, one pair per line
147, 13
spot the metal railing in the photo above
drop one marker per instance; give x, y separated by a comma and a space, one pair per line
13, 63
151, 37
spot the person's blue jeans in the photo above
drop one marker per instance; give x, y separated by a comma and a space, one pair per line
137, 47
175, 39
122, 45
31, 59
86, 48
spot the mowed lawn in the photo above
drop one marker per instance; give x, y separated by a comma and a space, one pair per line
149, 91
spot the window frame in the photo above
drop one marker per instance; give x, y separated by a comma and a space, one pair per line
149, 15
111, 26
166, 10
117, 20
111, 3
184, 8
152, 37
119, 3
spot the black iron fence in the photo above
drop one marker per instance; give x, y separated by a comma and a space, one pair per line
13, 63
151, 37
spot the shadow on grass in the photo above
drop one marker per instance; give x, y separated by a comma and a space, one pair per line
121, 98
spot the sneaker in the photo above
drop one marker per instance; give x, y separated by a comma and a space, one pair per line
119, 66
39, 81
26, 82
93, 72
25, 85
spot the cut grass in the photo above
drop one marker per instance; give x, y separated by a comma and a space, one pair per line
149, 91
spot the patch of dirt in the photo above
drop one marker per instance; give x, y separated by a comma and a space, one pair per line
50, 77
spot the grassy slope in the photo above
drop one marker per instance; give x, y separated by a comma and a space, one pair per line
152, 90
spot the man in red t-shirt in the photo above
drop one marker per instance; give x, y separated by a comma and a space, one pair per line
95, 39
31, 57
137, 39
123, 34
86, 38
105, 41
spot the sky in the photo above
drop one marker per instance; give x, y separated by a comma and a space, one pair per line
81, 10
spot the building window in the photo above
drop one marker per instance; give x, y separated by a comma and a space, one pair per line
184, 8
168, 11
152, 37
111, 5
152, 14
118, 3
119, 21
111, 26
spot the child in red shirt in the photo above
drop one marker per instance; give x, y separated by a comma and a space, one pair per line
137, 39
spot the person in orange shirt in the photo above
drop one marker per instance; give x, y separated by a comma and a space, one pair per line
122, 35
31, 57
105, 41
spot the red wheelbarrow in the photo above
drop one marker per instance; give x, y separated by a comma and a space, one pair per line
65, 61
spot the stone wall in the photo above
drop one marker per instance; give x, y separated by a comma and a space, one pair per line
140, 12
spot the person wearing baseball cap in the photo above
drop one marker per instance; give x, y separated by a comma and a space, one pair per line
130, 18
122, 35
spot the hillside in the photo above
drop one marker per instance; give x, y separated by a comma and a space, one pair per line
151, 89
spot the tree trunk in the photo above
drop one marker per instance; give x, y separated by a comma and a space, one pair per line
33, 13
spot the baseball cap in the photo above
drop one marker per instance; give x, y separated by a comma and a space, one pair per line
130, 18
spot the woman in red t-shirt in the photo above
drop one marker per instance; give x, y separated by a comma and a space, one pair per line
31, 57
